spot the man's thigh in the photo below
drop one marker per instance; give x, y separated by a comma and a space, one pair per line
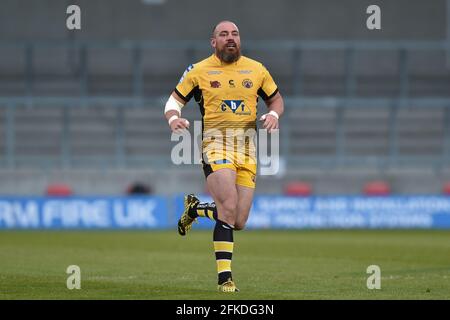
222, 186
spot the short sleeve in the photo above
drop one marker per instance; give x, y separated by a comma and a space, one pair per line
268, 87
187, 84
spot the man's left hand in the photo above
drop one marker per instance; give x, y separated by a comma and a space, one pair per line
270, 122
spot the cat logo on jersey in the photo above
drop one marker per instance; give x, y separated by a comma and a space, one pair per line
236, 106
215, 84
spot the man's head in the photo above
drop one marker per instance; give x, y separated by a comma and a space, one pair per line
226, 41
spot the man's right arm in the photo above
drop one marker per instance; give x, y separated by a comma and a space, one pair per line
179, 97
172, 113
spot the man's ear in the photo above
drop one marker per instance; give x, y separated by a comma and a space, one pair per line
213, 43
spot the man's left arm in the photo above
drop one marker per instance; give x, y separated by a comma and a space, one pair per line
276, 109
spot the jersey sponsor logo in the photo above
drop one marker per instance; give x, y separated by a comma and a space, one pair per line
212, 72
231, 83
215, 84
247, 83
189, 68
235, 106
244, 71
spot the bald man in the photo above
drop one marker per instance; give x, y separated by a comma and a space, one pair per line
226, 86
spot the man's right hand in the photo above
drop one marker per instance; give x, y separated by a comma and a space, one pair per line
179, 124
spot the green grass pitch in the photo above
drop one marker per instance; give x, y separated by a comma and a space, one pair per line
308, 264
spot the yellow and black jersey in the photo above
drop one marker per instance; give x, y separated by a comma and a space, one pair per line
227, 93
228, 97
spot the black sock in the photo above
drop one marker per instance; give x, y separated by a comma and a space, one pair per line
223, 247
205, 209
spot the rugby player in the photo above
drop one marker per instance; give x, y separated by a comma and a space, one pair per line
226, 85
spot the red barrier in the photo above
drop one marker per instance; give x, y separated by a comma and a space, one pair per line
298, 188
446, 189
59, 190
377, 188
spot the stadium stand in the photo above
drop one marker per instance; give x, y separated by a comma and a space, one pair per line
91, 110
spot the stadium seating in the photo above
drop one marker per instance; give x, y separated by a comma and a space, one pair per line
377, 188
102, 146
134, 139
59, 190
446, 188
298, 188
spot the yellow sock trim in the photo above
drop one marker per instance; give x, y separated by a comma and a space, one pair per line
201, 213
223, 265
223, 246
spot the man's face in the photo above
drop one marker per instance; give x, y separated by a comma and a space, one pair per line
227, 42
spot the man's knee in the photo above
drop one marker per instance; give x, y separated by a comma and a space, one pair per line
239, 226
241, 221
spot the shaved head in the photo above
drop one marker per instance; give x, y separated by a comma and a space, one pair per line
223, 22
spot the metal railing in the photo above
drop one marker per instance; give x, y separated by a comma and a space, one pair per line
120, 158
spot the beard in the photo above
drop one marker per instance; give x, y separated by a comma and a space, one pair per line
229, 56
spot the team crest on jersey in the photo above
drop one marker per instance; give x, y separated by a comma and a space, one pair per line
235, 106
247, 83
215, 84
189, 68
